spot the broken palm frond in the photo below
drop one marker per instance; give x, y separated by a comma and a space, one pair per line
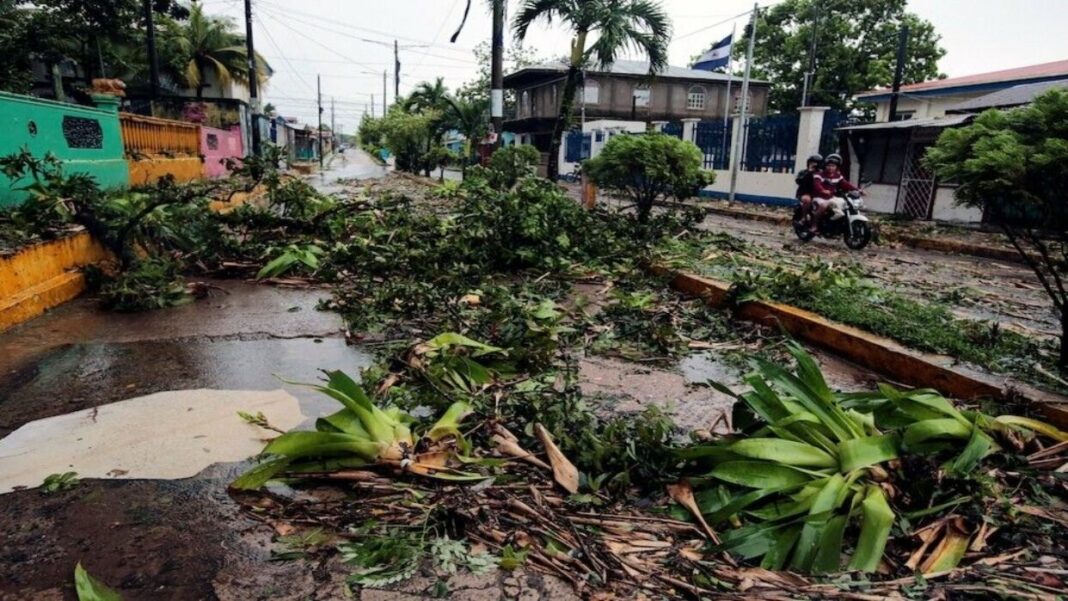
810, 462
362, 434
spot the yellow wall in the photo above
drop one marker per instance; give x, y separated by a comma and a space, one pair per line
44, 275
150, 170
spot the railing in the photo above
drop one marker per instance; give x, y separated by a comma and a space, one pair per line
714, 140
149, 135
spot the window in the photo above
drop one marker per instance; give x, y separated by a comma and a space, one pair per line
80, 132
695, 99
641, 96
591, 92
213, 142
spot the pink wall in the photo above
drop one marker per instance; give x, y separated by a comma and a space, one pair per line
217, 145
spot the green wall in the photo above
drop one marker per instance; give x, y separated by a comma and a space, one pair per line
87, 140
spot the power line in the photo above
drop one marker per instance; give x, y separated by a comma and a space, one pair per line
289, 11
718, 23
280, 21
270, 38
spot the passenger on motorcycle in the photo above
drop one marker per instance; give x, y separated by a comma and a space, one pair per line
804, 180
826, 185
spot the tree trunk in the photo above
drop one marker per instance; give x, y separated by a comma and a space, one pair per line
563, 121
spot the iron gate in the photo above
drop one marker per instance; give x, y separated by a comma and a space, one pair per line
915, 193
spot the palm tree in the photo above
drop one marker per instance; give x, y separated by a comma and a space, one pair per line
429, 97
618, 24
469, 118
208, 44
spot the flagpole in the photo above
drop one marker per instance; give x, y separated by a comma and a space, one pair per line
745, 104
730, 76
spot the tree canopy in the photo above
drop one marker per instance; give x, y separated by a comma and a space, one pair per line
1014, 166
856, 49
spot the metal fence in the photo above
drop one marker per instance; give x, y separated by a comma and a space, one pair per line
770, 143
149, 135
714, 140
673, 128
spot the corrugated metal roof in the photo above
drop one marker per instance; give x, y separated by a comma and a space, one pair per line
636, 68
947, 121
1014, 96
1006, 75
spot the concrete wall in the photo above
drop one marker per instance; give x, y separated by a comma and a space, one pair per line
755, 186
86, 140
149, 170
924, 107
607, 128
881, 198
217, 145
946, 208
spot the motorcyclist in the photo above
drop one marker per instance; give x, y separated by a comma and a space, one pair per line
804, 181
827, 184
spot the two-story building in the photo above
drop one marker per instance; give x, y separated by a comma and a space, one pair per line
623, 91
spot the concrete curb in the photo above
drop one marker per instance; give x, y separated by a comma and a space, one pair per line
920, 242
45, 275
879, 354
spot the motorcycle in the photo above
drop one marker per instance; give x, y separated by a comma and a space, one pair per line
842, 219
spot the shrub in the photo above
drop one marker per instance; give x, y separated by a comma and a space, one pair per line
644, 167
510, 164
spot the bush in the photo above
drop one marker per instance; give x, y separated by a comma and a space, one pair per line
510, 164
644, 167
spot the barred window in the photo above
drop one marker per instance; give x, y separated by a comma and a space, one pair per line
695, 99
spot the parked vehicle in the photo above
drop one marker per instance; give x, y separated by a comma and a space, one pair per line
843, 219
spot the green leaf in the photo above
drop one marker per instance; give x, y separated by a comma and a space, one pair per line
779, 551
760, 474
256, 477
812, 532
934, 429
449, 424
829, 554
870, 450
979, 445
91, 589
312, 444
875, 526
783, 451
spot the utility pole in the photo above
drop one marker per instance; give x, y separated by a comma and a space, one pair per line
810, 75
396, 73
253, 84
744, 112
383, 92
153, 58
319, 101
497, 74
373, 107
899, 70
333, 123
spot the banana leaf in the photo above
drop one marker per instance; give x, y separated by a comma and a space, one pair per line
449, 424
934, 429
317, 444
779, 552
979, 446
258, 476
829, 552
1033, 425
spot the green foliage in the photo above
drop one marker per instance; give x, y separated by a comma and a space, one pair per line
408, 136
59, 482
1012, 165
841, 294
856, 49
91, 589
807, 462
207, 43
291, 257
151, 283
380, 558
646, 167
509, 165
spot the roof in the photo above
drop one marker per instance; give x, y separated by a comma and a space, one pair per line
1041, 72
627, 68
947, 121
1014, 96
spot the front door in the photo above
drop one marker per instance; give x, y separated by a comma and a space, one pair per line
915, 193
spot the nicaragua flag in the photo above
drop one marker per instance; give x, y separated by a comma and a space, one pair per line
717, 57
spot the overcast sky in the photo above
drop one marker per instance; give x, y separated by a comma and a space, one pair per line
350, 42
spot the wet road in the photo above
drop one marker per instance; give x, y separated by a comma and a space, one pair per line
351, 164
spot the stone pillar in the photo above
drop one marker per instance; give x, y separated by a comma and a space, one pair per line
688, 127
809, 132
658, 126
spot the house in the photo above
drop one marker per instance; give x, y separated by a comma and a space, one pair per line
623, 91
890, 154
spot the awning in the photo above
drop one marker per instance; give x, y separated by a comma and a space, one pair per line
938, 122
